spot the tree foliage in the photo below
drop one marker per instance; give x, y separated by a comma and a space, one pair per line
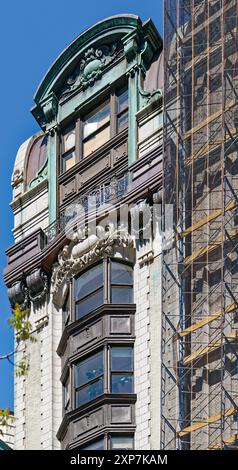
19, 321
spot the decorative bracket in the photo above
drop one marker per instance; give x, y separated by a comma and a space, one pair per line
37, 283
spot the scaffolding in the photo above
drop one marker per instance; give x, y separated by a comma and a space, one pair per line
199, 399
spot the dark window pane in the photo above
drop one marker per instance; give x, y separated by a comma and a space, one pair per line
122, 383
96, 445
89, 304
89, 281
122, 358
66, 395
69, 160
66, 311
121, 442
89, 392
122, 121
89, 369
121, 274
122, 100
122, 295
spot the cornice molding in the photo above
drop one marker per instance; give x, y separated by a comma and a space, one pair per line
109, 25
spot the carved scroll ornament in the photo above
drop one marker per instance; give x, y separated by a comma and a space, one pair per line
81, 253
91, 67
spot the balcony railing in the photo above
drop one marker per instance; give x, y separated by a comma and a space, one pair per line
110, 192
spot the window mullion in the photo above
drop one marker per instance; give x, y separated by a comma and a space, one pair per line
106, 370
105, 278
113, 112
78, 140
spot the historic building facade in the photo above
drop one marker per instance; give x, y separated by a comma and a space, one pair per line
84, 191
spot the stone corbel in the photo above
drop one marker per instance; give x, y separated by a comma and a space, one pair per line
46, 111
50, 108
37, 284
18, 294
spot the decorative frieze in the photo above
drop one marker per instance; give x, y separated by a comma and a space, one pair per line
91, 67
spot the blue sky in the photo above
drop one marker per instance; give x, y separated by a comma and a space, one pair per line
32, 35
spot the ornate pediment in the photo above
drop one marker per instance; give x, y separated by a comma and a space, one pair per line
80, 253
91, 67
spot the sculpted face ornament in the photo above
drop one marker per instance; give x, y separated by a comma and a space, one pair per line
91, 67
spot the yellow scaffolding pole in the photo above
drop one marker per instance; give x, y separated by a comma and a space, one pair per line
211, 247
230, 308
230, 206
206, 422
233, 335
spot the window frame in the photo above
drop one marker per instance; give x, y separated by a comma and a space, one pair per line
66, 309
91, 293
106, 351
78, 122
66, 392
113, 372
102, 376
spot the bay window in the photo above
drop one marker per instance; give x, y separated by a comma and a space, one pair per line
114, 362
122, 109
96, 445
107, 282
121, 283
89, 291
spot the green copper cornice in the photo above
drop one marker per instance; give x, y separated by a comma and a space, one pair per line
113, 23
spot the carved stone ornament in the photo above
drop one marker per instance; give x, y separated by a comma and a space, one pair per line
34, 288
37, 283
17, 177
91, 67
81, 253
